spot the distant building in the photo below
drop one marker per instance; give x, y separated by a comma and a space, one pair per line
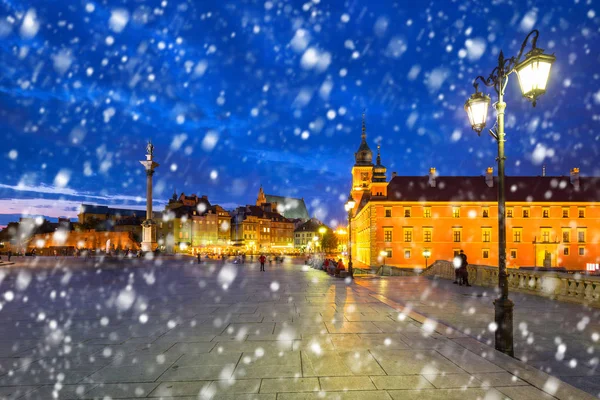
305, 233
193, 224
261, 229
290, 207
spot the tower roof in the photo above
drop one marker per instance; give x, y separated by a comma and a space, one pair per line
379, 170
364, 155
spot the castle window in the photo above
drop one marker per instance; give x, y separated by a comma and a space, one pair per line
426, 212
407, 212
509, 212
486, 212
517, 232
565, 212
455, 212
427, 233
486, 234
387, 234
388, 212
456, 234
546, 212
408, 235
526, 213
486, 253
566, 251
581, 212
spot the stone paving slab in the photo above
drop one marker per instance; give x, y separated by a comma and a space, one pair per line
316, 337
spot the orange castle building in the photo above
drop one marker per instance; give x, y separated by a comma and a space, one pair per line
550, 221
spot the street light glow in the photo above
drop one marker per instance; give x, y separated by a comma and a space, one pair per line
476, 107
533, 73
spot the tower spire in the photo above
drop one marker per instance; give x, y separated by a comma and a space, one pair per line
378, 154
364, 126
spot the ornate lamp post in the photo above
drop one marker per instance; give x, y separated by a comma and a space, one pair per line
322, 231
533, 72
426, 254
349, 206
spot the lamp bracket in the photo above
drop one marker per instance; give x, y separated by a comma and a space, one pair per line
493, 134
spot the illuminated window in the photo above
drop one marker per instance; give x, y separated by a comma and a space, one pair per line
389, 253
486, 253
566, 251
427, 212
565, 212
517, 232
408, 234
581, 235
427, 234
509, 212
388, 212
486, 212
455, 212
546, 212
486, 234
526, 213
456, 233
581, 212
406, 253
545, 235
387, 234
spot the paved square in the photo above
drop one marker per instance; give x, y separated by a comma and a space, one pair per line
173, 329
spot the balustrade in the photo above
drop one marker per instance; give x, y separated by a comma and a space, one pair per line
559, 285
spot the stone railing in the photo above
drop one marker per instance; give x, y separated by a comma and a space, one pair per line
578, 288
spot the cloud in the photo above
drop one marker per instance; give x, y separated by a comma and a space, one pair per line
47, 189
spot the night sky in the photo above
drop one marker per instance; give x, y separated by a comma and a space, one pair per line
238, 94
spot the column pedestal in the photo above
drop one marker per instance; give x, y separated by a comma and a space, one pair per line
149, 236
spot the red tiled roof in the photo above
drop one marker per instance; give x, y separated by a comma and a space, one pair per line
474, 188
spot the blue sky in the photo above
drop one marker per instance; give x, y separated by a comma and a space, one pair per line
238, 94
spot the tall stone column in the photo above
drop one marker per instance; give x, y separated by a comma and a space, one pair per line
149, 226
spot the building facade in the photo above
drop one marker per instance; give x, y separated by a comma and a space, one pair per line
550, 221
307, 236
191, 224
258, 229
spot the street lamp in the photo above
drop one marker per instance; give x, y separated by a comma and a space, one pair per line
322, 231
426, 254
533, 72
349, 206
383, 254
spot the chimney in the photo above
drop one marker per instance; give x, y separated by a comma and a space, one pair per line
394, 174
544, 170
432, 175
575, 177
205, 197
489, 177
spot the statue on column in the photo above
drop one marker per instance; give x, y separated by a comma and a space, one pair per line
149, 226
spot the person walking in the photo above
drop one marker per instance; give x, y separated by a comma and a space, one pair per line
464, 274
9, 255
262, 260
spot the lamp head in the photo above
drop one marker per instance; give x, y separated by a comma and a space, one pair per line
477, 107
533, 73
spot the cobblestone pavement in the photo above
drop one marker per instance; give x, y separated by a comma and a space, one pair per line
562, 339
173, 329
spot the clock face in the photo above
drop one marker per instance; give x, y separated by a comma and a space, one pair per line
364, 175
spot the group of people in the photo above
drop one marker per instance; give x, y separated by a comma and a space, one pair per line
332, 267
461, 275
